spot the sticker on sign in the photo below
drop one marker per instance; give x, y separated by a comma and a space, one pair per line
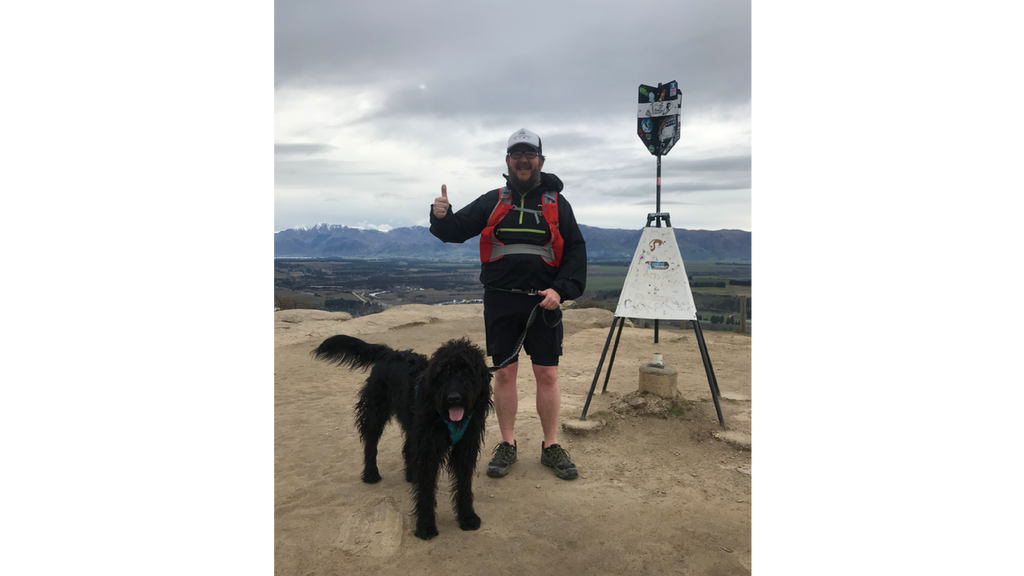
650, 109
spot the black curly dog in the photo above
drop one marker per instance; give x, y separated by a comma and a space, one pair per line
442, 405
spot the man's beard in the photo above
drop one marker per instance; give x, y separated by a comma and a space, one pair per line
524, 186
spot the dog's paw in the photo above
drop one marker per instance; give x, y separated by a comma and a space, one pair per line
371, 476
469, 522
426, 532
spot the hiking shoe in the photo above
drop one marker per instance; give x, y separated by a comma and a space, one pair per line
504, 456
556, 457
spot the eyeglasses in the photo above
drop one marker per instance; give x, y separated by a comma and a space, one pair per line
519, 154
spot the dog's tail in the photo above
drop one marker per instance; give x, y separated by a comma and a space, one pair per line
353, 352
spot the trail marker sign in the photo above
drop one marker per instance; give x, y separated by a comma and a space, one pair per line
656, 285
657, 117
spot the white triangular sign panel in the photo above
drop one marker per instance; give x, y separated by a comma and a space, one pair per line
656, 285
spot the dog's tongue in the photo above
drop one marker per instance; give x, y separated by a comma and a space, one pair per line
455, 413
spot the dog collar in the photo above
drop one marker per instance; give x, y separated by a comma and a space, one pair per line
456, 433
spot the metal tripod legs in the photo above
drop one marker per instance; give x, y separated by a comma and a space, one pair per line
712, 382
705, 357
600, 363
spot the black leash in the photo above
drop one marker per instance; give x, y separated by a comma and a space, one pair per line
522, 337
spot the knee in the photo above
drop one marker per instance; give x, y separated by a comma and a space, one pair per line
506, 377
546, 375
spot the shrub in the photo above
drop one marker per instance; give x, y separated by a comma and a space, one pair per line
289, 303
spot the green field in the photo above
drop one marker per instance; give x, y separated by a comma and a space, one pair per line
325, 283
606, 277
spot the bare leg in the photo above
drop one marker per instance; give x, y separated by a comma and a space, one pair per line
549, 401
506, 400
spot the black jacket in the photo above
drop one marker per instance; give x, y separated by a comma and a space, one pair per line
522, 271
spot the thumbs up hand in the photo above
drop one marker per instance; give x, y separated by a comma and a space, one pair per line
441, 203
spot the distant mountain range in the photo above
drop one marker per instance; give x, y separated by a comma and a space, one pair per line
333, 241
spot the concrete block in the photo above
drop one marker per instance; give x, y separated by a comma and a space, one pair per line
659, 379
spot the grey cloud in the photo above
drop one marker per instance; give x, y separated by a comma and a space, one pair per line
488, 67
734, 164
301, 149
476, 58
330, 174
719, 164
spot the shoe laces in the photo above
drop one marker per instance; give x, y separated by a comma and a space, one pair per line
557, 454
504, 451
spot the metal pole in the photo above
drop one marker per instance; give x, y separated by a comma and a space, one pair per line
600, 362
611, 360
657, 208
710, 372
712, 381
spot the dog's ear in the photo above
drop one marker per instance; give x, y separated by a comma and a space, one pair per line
482, 371
434, 367
482, 374
431, 378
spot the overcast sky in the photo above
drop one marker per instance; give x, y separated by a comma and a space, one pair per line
379, 103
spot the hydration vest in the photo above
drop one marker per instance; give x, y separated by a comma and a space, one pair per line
492, 249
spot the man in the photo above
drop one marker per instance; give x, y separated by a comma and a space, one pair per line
532, 252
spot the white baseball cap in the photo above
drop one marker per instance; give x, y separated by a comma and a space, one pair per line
524, 136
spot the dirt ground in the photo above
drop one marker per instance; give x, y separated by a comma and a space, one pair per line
662, 489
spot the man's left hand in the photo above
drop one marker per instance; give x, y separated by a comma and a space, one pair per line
551, 299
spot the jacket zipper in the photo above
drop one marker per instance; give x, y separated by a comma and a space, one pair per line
522, 204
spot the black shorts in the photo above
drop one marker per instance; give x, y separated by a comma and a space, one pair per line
505, 316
